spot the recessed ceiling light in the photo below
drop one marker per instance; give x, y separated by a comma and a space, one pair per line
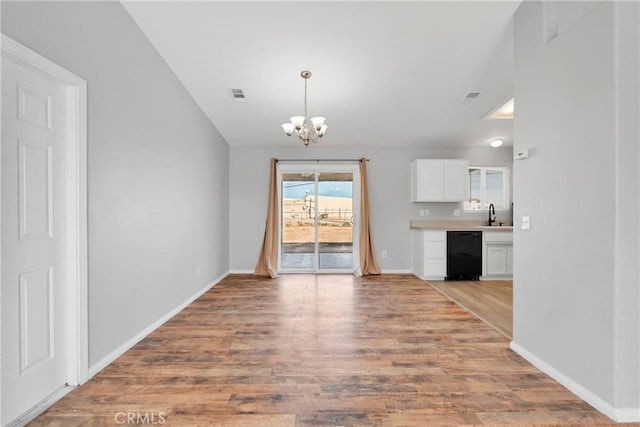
496, 143
502, 112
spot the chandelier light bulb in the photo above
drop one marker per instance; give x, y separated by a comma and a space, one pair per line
297, 121
318, 122
288, 128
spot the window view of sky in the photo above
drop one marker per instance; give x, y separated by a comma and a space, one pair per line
298, 189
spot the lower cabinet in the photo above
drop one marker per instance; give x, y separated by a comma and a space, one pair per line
498, 255
429, 254
499, 260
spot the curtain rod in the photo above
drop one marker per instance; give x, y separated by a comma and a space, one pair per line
320, 160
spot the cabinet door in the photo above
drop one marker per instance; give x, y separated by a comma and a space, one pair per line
417, 253
429, 180
456, 173
435, 268
435, 253
496, 260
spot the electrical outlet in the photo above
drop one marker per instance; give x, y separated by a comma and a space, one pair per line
456, 212
426, 212
526, 223
384, 254
421, 212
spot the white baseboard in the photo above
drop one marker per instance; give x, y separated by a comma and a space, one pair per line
628, 415
383, 272
618, 415
428, 278
105, 361
494, 278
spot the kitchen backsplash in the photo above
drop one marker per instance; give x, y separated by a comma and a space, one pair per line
445, 212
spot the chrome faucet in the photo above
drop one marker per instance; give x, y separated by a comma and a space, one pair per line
492, 219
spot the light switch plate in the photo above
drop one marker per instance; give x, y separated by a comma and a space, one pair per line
456, 212
421, 212
526, 223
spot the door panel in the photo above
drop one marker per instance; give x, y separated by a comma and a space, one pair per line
34, 108
297, 247
36, 323
33, 239
34, 189
335, 221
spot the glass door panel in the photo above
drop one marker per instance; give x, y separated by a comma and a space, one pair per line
317, 211
335, 220
298, 240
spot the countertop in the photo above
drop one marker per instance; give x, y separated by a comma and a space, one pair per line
458, 226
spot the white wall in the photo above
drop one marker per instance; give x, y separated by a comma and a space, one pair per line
157, 168
576, 271
627, 279
389, 188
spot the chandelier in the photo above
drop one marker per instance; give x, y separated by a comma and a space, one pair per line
300, 124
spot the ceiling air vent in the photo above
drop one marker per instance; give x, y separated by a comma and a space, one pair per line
237, 95
469, 98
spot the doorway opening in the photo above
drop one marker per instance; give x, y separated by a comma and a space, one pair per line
318, 218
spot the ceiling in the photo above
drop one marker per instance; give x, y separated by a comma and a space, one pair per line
384, 73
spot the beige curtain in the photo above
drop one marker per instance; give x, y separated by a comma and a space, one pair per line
268, 260
368, 261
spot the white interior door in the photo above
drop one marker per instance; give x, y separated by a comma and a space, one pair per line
33, 239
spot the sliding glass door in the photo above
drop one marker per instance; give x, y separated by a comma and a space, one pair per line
318, 211
297, 224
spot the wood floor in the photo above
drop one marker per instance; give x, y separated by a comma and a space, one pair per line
490, 300
324, 350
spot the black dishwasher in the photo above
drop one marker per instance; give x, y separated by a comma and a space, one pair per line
464, 255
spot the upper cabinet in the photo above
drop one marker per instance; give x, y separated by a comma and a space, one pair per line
434, 180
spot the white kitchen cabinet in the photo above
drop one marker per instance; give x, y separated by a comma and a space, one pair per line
437, 180
497, 254
497, 262
456, 178
429, 255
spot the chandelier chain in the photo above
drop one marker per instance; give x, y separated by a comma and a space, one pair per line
305, 97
